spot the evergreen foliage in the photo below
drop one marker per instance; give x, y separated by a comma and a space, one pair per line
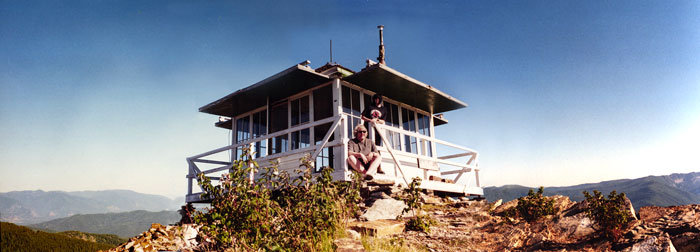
275, 212
19, 239
610, 214
532, 207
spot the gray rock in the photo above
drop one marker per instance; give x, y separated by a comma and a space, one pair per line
384, 209
577, 226
653, 244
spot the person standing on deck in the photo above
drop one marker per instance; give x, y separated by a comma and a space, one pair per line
363, 155
374, 113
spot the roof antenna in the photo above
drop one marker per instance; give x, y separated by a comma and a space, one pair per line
381, 58
331, 52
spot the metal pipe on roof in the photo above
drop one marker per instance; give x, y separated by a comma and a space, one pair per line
381, 58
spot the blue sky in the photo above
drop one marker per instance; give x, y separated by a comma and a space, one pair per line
104, 94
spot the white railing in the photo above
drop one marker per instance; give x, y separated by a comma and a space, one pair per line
446, 164
195, 161
472, 164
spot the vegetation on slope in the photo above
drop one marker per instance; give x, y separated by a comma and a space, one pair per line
98, 238
275, 212
18, 239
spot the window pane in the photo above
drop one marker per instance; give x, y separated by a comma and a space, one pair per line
260, 123
304, 138
304, 109
423, 124
295, 140
323, 103
278, 144
324, 159
295, 111
320, 132
430, 149
242, 129
300, 139
260, 149
355, 103
367, 100
346, 99
278, 117
395, 115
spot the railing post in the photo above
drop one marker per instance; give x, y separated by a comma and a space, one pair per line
391, 152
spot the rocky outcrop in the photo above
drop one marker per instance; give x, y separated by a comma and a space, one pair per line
162, 238
477, 225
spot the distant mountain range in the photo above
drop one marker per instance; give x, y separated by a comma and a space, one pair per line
127, 224
28, 207
669, 190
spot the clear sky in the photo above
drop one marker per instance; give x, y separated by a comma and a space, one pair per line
104, 94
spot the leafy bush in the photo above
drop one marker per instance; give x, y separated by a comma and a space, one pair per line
274, 212
610, 214
411, 196
532, 207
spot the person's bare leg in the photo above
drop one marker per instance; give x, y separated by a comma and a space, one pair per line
376, 161
355, 164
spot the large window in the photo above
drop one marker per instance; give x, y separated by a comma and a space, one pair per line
278, 121
242, 133
424, 129
242, 129
300, 110
323, 103
300, 139
260, 129
392, 119
351, 105
325, 158
300, 114
409, 124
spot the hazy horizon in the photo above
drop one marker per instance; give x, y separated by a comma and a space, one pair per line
105, 95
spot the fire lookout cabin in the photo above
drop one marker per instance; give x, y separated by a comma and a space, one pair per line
302, 111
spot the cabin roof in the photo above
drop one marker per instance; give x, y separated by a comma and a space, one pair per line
377, 78
279, 86
402, 88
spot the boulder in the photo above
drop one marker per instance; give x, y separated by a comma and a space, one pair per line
384, 209
660, 243
577, 226
653, 213
502, 208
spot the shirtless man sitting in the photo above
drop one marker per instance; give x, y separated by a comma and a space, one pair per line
363, 155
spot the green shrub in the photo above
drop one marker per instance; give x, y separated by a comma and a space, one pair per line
609, 214
532, 207
411, 196
275, 212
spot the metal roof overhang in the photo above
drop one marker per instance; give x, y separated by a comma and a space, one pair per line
279, 86
402, 88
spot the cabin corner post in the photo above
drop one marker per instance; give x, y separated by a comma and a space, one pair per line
340, 132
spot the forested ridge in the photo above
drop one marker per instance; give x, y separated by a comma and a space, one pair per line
18, 239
